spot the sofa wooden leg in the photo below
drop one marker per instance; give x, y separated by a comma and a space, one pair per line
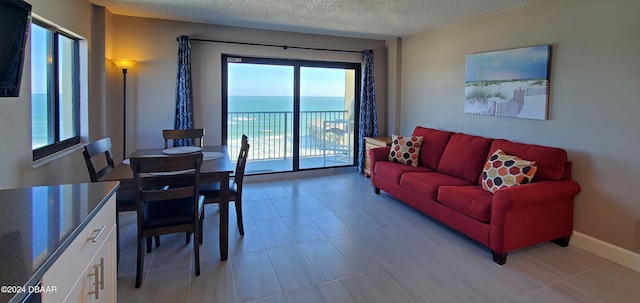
499, 258
563, 241
376, 190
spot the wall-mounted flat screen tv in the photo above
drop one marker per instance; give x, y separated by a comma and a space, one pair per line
15, 19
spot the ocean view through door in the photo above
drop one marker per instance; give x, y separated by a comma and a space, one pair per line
298, 114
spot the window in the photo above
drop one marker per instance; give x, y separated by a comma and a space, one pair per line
55, 91
298, 114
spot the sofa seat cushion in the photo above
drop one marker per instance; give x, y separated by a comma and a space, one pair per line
427, 184
464, 157
434, 142
472, 201
549, 160
393, 171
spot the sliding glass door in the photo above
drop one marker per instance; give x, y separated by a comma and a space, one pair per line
327, 99
297, 114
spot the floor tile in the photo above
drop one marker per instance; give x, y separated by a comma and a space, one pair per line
328, 262
313, 294
368, 287
254, 276
362, 257
287, 206
274, 233
292, 268
329, 224
261, 210
311, 204
330, 238
303, 228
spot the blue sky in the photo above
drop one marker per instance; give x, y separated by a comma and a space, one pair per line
276, 80
522, 63
38, 59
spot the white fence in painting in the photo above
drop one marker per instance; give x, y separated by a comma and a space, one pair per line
514, 106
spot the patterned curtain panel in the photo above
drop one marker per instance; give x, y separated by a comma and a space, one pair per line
184, 101
368, 114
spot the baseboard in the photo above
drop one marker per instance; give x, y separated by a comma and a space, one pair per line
606, 250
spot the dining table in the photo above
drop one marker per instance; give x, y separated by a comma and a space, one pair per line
216, 167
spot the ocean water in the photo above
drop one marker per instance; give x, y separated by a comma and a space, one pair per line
283, 103
262, 124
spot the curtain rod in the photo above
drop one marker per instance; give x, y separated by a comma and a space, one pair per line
285, 47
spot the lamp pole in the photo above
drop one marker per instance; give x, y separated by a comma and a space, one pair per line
124, 113
124, 65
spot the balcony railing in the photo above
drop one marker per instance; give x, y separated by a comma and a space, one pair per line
271, 133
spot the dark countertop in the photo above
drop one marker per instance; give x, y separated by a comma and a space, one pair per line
37, 224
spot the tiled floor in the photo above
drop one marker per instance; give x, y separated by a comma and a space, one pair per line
331, 239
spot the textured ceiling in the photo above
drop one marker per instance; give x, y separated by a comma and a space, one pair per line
375, 19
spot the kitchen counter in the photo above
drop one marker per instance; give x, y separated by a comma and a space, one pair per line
36, 226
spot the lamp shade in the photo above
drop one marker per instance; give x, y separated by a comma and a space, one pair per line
124, 63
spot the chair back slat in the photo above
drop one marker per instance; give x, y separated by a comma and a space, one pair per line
195, 134
92, 151
179, 186
168, 193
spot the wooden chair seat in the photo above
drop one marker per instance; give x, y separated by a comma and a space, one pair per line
171, 212
212, 189
126, 200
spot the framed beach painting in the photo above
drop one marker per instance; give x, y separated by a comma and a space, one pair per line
508, 83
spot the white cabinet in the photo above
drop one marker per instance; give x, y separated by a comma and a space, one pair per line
97, 283
86, 270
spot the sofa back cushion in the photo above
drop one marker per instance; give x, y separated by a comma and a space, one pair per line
433, 144
550, 160
465, 156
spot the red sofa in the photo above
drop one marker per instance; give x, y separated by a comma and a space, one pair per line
446, 185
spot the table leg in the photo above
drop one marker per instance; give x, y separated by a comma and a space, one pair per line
224, 219
224, 230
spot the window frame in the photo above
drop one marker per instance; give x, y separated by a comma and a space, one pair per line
53, 94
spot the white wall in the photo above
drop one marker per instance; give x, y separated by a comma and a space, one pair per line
151, 83
594, 107
16, 169
394, 93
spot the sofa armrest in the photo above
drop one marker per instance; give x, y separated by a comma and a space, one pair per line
534, 193
528, 214
378, 154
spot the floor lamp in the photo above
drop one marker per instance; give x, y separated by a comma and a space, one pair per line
124, 65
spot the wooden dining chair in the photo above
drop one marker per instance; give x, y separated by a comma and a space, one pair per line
211, 191
172, 209
196, 135
125, 197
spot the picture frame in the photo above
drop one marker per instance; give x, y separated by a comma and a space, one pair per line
509, 83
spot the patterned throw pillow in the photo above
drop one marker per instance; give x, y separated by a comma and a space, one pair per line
502, 170
405, 150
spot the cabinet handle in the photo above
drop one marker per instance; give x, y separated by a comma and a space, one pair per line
99, 279
97, 233
101, 274
95, 292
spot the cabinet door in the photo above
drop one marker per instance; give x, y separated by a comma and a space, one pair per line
70, 268
98, 281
